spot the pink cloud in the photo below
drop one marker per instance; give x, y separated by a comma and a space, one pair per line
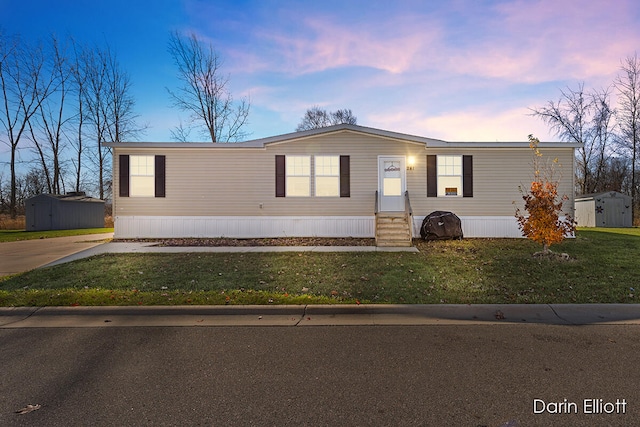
467, 125
551, 39
324, 44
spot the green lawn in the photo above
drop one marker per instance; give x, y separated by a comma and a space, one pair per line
603, 269
16, 235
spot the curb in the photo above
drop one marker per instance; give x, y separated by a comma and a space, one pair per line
320, 315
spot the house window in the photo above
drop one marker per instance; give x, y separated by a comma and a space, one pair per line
449, 176
142, 172
327, 174
298, 177
332, 176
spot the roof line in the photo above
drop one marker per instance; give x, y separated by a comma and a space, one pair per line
263, 142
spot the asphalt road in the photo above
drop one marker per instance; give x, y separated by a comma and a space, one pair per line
462, 375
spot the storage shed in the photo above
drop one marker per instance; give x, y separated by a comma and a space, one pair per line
608, 209
63, 212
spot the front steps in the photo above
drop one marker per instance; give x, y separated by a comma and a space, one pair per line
393, 229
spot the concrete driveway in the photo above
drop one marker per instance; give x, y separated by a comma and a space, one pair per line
18, 257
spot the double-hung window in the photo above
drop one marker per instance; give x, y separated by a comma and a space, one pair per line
449, 176
327, 173
331, 176
142, 176
298, 176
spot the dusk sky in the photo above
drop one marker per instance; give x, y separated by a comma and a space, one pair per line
454, 70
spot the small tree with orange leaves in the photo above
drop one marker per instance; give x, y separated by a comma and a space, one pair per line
544, 223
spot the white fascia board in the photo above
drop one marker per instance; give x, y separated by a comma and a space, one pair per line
443, 144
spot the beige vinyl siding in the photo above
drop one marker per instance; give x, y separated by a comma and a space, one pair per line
497, 173
227, 182
208, 181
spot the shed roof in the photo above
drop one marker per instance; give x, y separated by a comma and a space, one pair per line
71, 197
592, 196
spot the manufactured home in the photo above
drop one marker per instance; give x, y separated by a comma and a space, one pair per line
338, 181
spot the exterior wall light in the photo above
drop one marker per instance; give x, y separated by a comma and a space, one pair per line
411, 163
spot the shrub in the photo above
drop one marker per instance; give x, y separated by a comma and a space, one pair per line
545, 222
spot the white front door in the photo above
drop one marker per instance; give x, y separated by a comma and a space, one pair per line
391, 183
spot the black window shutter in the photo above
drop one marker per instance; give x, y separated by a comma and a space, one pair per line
467, 176
124, 175
345, 177
160, 176
432, 176
280, 176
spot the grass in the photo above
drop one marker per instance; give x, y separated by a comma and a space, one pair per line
602, 269
17, 235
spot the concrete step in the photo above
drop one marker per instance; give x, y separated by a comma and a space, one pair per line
391, 233
391, 219
394, 243
393, 226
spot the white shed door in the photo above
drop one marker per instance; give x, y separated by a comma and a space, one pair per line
391, 183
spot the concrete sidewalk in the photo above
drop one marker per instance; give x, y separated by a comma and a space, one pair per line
319, 315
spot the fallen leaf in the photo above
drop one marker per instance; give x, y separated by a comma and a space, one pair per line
499, 315
28, 408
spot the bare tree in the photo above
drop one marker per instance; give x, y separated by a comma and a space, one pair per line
181, 133
616, 175
204, 93
585, 118
4, 200
48, 126
107, 108
24, 87
628, 116
78, 66
316, 117
344, 116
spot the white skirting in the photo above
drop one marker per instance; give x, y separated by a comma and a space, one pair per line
243, 226
481, 226
127, 227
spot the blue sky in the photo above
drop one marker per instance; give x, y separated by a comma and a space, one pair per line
459, 70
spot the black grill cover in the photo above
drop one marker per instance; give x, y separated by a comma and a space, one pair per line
441, 225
